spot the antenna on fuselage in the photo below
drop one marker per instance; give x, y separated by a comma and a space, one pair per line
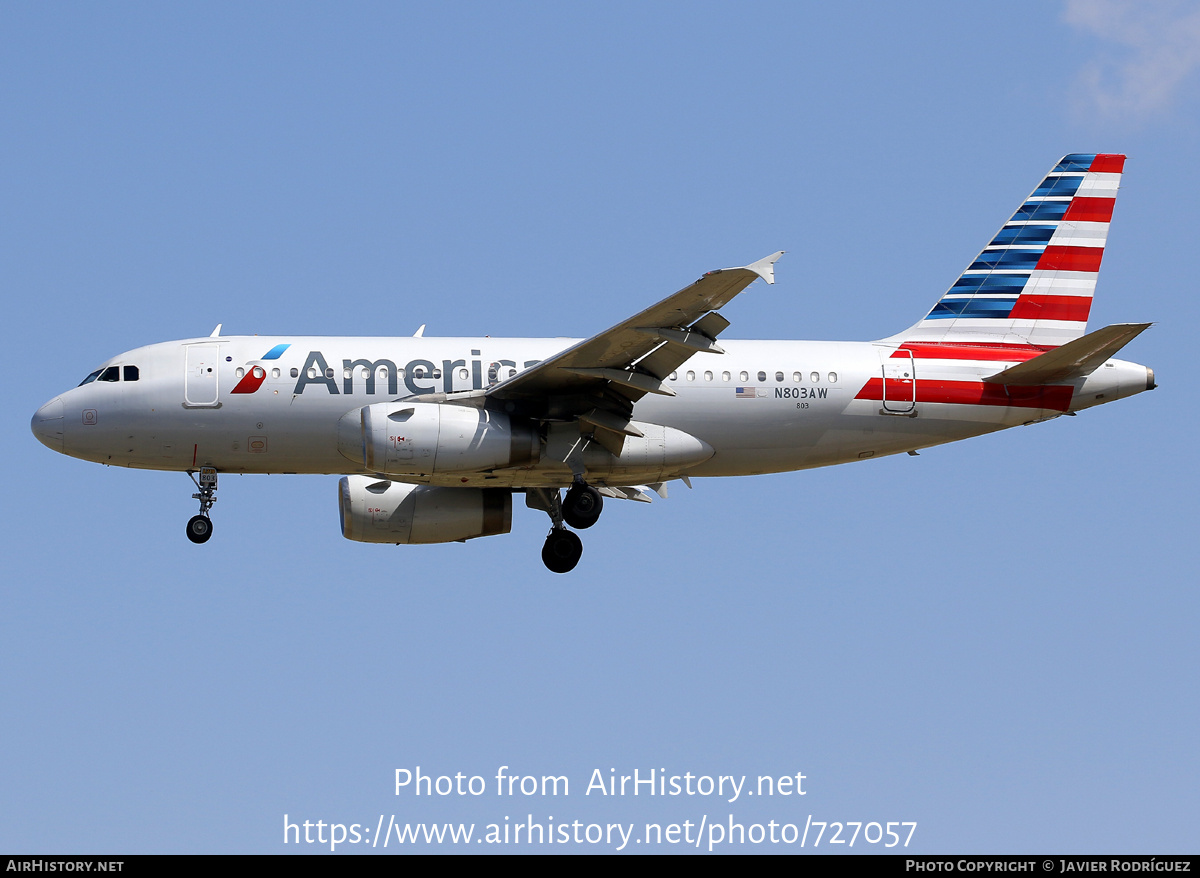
216, 332
420, 333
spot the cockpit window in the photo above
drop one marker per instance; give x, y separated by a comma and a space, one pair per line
131, 373
90, 378
112, 373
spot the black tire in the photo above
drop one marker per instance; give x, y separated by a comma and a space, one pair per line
199, 528
582, 506
562, 551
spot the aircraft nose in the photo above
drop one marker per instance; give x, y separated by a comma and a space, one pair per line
47, 424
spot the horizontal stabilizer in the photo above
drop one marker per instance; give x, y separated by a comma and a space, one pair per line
1075, 359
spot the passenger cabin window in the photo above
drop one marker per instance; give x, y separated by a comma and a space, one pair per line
131, 373
778, 376
762, 376
112, 373
796, 377
708, 376
743, 376
815, 377
833, 377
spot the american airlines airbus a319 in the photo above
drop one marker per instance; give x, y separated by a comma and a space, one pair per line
434, 436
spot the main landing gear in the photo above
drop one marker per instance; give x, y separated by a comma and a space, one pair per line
562, 550
582, 506
580, 509
199, 527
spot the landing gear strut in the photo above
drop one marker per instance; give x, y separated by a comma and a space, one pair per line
199, 527
563, 549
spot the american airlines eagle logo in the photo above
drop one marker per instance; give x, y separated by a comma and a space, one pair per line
255, 373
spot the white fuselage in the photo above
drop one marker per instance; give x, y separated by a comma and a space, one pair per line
762, 406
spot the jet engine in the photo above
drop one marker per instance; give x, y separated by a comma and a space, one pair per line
414, 438
379, 511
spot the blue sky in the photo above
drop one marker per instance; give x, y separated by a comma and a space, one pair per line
995, 639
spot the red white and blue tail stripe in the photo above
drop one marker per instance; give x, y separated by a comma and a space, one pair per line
1033, 283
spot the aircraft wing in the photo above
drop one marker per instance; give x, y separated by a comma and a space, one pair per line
598, 380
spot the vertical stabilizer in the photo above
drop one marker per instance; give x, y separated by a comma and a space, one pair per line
1033, 283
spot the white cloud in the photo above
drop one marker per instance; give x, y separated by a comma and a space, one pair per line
1153, 53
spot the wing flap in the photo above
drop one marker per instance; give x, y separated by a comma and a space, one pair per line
612, 440
607, 420
631, 378
627, 492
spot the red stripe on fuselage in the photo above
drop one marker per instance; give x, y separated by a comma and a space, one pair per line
1052, 308
1010, 353
1054, 397
1090, 210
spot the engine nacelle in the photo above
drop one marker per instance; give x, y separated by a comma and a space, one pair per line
415, 438
375, 511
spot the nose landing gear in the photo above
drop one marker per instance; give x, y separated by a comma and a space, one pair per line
199, 527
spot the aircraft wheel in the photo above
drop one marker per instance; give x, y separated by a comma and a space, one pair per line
582, 506
562, 551
199, 528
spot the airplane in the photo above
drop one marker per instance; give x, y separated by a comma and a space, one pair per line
433, 437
